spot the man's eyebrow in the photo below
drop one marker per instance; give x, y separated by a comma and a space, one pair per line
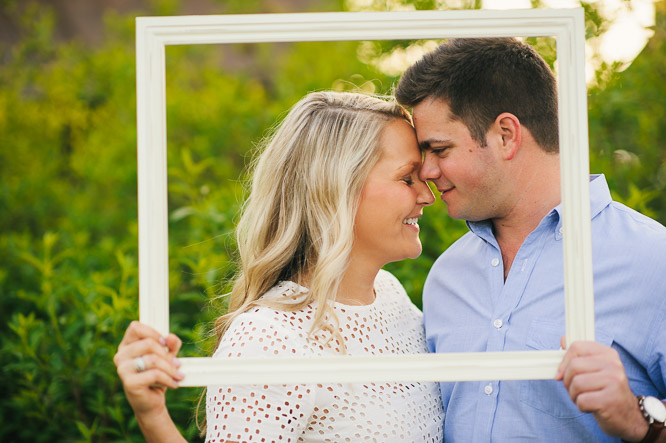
426, 145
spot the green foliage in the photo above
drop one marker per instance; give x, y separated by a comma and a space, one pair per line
67, 236
68, 226
68, 207
63, 326
627, 130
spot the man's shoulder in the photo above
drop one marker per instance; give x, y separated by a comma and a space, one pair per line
462, 245
630, 225
637, 217
622, 233
463, 249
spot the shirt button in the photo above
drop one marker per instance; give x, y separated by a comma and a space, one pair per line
497, 323
561, 229
494, 262
488, 389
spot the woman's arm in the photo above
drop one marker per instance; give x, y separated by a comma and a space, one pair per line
147, 366
237, 412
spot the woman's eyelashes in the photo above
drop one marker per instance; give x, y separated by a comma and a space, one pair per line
408, 179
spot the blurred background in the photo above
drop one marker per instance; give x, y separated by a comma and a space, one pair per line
68, 205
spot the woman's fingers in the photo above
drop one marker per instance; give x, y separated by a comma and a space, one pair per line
150, 378
145, 358
147, 366
138, 348
128, 368
173, 343
138, 331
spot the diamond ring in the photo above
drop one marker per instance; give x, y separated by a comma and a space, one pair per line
139, 364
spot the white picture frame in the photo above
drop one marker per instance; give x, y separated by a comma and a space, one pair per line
153, 34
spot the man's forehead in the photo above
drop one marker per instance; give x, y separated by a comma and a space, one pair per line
433, 109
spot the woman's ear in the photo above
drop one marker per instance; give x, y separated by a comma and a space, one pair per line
509, 133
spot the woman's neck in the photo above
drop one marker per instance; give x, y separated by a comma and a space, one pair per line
357, 285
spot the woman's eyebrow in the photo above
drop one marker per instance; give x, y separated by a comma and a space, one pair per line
409, 166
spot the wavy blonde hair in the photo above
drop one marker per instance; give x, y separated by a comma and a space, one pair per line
298, 222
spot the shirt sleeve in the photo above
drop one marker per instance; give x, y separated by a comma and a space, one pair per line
657, 369
253, 412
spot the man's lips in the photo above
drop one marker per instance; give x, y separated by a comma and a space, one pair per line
443, 192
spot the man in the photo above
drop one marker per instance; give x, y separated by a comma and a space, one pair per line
485, 112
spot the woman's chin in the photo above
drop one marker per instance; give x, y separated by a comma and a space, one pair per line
415, 253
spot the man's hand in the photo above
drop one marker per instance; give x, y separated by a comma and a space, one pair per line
595, 378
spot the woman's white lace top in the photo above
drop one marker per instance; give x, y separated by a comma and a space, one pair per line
380, 412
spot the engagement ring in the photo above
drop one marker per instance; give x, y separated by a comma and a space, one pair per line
139, 364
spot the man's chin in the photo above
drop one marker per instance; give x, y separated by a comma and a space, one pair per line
461, 215
453, 213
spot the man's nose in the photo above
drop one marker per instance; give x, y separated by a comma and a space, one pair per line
429, 169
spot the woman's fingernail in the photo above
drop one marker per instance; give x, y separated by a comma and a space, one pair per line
163, 341
181, 375
176, 362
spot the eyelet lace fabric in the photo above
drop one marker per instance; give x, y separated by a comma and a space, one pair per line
379, 412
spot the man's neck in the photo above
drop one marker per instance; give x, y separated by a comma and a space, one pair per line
537, 193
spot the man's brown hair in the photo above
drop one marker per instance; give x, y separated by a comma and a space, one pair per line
480, 78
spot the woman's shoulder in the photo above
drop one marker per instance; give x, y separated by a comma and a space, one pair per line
265, 331
394, 299
286, 292
389, 285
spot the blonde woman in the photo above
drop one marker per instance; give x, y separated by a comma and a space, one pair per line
335, 196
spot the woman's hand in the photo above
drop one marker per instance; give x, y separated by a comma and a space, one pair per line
147, 366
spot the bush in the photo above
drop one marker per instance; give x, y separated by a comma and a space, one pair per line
68, 230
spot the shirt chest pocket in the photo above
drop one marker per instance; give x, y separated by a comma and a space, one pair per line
549, 396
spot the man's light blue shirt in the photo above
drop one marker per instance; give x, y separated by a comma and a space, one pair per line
469, 307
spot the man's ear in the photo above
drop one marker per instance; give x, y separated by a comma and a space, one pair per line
509, 133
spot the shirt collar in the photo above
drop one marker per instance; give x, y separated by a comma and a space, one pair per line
600, 197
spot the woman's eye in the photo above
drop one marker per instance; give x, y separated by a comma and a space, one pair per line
408, 180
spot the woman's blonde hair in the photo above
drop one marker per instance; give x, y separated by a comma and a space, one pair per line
298, 222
